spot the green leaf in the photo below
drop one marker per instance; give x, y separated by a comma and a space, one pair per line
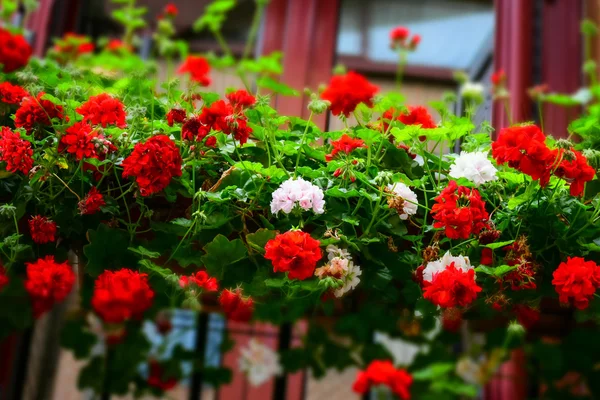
499, 271
92, 375
498, 245
108, 249
144, 252
221, 254
74, 336
266, 82
259, 239
433, 371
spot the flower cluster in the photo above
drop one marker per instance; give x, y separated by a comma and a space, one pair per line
399, 38
450, 282
383, 373
42, 229
345, 145
153, 164
298, 192
121, 295
259, 362
523, 277
341, 267
460, 211
15, 152
71, 46
14, 51
48, 283
198, 68
475, 167
236, 306
576, 281
294, 252
574, 168
12, 94
345, 92
92, 202
37, 111
403, 200
411, 116
104, 110
200, 280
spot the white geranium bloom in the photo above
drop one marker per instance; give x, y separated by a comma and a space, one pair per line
351, 279
259, 362
476, 167
298, 192
433, 267
411, 203
333, 251
472, 90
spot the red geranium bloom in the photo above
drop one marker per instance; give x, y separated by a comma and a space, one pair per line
526, 315
498, 77
176, 115
193, 129
104, 110
345, 92
201, 280
344, 144
489, 236
3, 278
92, 202
121, 295
12, 94
15, 152
48, 283
523, 277
576, 281
236, 306
198, 68
577, 172
487, 256
451, 287
37, 111
460, 210
220, 116
159, 378
116, 45
42, 229
452, 319
240, 100
524, 148
171, 10
79, 141
14, 51
295, 252
71, 46
416, 116
414, 42
399, 34
153, 164
384, 373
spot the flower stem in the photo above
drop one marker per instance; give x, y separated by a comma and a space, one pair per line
300, 151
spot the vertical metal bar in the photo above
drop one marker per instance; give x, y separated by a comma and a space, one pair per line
21, 364
284, 342
200, 350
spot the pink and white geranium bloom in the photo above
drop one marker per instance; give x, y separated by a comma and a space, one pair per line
434, 267
475, 167
411, 203
298, 192
340, 260
259, 362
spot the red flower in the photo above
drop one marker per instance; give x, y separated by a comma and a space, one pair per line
42, 229
399, 34
79, 140
220, 117
15, 152
176, 115
384, 373
37, 111
121, 295
452, 319
487, 256
414, 42
116, 45
415, 116
12, 94
498, 77
193, 129
526, 315
295, 252
523, 148
71, 46
198, 68
345, 92
104, 110
201, 280
210, 141
407, 149
240, 100
153, 164
14, 51
159, 378
344, 144
92, 202
163, 323
459, 210
3, 278
576, 281
577, 172
522, 278
489, 236
48, 283
451, 287
236, 306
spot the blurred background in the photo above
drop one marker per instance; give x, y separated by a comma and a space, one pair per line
533, 41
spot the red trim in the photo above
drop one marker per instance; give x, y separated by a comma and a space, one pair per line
38, 23
561, 60
514, 54
274, 28
362, 64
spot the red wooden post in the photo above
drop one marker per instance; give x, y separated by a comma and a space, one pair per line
38, 23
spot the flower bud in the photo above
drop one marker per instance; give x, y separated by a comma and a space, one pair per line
516, 330
384, 178
593, 158
564, 144
318, 106
472, 91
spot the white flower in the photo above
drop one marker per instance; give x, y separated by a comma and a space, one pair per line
411, 203
334, 251
476, 167
470, 371
259, 362
472, 90
298, 192
433, 267
350, 278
